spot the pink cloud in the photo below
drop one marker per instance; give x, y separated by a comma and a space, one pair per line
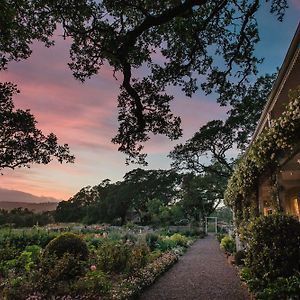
85, 117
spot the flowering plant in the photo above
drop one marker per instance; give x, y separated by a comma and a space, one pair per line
280, 140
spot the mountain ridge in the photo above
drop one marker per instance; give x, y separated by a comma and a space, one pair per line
7, 195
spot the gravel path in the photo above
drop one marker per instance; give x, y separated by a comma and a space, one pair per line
202, 273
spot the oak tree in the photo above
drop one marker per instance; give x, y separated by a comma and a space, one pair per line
213, 141
190, 43
21, 143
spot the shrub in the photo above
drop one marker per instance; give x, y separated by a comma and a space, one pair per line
118, 257
94, 282
35, 251
138, 257
62, 268
194, 232
180, 240
67, 243
8, 252
17, 289
282, 288
129, 237
228, 244
95, 242
151, 240
112, 256
220, 236
239, 257
273, 247
115, 235
165, 244
154, 255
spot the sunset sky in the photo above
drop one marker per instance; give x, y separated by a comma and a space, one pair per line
85, 115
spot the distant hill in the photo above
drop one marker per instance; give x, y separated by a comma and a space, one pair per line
18, 196
36, 207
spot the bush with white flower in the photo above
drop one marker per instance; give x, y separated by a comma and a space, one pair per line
280, 140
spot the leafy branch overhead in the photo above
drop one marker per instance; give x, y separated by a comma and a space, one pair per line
21, 143
179, 42
264, 154
209, 149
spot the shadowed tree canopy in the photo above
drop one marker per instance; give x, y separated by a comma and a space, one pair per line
108, 201
201, 194
146, 185
21, 143
208, 145
207, 150
179, 41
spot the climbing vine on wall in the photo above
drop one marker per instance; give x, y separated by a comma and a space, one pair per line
280, 140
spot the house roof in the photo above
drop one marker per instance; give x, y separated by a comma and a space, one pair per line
288, 78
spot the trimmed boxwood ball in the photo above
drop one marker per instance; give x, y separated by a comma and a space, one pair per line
67, 243
273, 247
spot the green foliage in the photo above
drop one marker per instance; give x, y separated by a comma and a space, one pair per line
228, 244
192, 232
19, 239
30, 257
67, 243
130, 237
117, 256
192, 37
94, 242
179, 239
264, 155
201, 194
93, 283
17, 288
220, 236
63, 268
115, 235
132, 286
165, 244
21, 143
143, 193
138, 258
273, 247
282, 288
239, 257
20, 217
7, 252
151, 240
223, 214
76, 208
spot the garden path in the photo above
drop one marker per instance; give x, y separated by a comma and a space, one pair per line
203, 273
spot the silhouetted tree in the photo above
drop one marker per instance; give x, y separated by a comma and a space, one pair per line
21, 143
190, 38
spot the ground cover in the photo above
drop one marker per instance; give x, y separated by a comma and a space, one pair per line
86, 262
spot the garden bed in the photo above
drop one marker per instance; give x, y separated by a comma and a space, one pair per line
118, 263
